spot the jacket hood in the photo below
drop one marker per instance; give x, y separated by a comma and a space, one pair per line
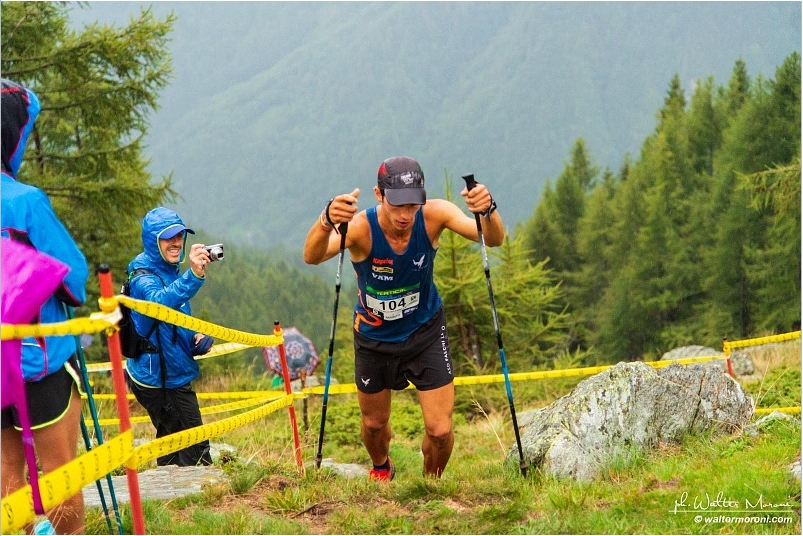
20, 107
157, 222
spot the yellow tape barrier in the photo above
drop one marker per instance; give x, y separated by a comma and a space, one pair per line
66, 481
110, 315
72, 477
210, 396
95, 323
210, 410
765, 411
171, 316
522, 376
174, 442
215, 351
728, 346
100, 461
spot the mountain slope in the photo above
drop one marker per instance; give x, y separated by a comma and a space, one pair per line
278, 106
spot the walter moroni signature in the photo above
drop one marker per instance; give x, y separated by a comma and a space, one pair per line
719, 502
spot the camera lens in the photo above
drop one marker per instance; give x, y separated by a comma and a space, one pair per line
215, 252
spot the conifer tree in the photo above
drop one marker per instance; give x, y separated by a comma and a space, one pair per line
595, 240
774, 262
775, 270
751, 271
97, 88
530, 305
705, 128
738, 90
552, 231
726, 311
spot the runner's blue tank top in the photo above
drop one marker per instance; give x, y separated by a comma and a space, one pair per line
397, 293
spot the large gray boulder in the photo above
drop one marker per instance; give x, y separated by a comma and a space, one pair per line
631, 405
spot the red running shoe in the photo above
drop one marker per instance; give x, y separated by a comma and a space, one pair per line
383, 474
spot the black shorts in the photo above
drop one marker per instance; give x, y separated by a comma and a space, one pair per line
423, 360
48, 398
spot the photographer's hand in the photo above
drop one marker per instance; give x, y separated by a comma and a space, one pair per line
199, 258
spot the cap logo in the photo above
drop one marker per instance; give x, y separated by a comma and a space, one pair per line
407, 178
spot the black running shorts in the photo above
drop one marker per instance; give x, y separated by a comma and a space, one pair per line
423, 360
48, 398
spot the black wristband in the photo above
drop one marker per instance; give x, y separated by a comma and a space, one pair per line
491, 209
326, 214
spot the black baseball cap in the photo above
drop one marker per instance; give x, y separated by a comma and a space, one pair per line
402, 180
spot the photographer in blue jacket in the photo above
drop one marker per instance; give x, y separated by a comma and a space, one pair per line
160, 378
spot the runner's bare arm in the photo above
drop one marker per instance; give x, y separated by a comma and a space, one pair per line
450, 216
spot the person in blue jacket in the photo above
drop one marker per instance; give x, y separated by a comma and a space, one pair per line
49, 364
399, 322
161, 380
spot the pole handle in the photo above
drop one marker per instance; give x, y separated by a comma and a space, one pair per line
470, 182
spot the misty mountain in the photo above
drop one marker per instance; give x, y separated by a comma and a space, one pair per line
277, 106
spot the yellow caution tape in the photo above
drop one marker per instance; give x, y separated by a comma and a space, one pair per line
72, 477
215, 351
66, 481
96, 322
730, 345
225, 348
175, 442
763, 411
523, 376
207, 396
171, 316
110, 315
116, 422
249, 401
240, 394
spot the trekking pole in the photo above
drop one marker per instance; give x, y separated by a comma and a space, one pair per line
319, 457
98, 433
470, 183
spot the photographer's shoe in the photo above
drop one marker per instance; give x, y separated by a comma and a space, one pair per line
382, 473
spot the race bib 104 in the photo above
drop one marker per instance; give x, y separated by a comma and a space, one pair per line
393, 306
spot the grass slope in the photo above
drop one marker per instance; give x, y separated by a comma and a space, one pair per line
708, 484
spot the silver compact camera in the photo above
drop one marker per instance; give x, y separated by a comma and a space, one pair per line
215, 252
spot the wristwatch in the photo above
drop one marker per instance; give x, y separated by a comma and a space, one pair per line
491, 209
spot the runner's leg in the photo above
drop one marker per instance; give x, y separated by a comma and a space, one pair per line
375, 424
437, 406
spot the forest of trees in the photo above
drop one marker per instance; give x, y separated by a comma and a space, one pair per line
696, 239
97, 89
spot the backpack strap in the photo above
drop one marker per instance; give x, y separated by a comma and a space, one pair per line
142, 271
155, 326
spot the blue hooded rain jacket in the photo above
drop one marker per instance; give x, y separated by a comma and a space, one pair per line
167, 286
28, 217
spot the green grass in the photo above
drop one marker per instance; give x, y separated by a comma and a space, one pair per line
483, 493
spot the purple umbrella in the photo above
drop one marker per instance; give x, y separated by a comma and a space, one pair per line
29, 279
300, 352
